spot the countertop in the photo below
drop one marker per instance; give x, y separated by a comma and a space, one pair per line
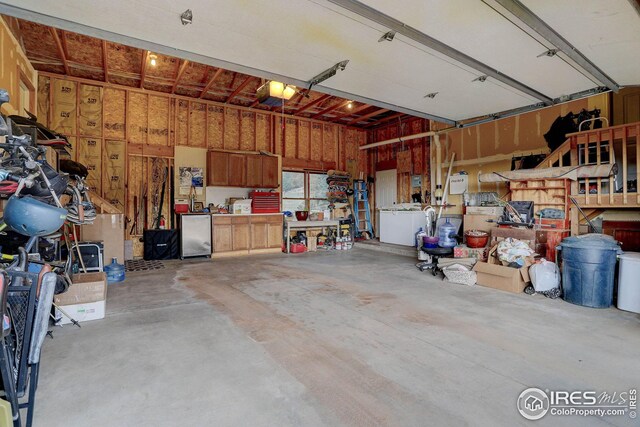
251, 214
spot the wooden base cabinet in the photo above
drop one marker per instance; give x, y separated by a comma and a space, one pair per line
242, 235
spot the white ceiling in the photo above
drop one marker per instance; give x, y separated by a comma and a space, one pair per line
296, 40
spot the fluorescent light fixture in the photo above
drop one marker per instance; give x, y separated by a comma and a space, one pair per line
273, 93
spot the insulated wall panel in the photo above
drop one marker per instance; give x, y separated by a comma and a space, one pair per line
90, 111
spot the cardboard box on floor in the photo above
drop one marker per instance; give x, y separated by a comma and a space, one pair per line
81, 312
108, 228
525, 234
493, 274
85, 288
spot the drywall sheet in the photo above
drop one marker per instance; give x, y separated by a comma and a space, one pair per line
114, 162
90, 155
63, 117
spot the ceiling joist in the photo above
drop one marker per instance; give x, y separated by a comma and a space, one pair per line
210, 82
367, 116
238, 89
351, 113
311, 104
143, 67
181, 71
61, 52
105, 61
330, 109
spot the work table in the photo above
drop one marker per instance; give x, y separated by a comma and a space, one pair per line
247, 214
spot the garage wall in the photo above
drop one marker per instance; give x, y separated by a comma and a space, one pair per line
15, 66
113, 129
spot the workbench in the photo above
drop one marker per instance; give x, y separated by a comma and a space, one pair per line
307, 225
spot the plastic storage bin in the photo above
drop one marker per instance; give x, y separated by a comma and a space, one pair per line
588, 269
628, 282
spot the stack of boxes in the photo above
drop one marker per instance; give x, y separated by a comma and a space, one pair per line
85, 300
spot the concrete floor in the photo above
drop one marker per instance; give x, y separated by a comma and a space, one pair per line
356, 338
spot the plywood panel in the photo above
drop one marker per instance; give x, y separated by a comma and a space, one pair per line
215, 125
198, 124
263, 132
90, 155
44, 100
182, 123
137, 115
316, 141
290, 138
404, 161
90, 111
304, 139
114, 163
114, 113
231, 129
330, 143
63, 115
247, 131
158, 120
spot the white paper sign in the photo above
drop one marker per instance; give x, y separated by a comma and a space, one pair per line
458, 184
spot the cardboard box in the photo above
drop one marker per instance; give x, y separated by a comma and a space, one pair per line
463, 251
109, 229
485, 210
82, 312
526, 234
86, 288
503, 278
480, 222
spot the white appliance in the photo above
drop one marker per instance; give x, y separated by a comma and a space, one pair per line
400, 227
195, 235
241, 206
628, 285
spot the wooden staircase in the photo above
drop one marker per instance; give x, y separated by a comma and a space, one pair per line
617, 144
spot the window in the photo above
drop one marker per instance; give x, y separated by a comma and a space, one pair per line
304, 191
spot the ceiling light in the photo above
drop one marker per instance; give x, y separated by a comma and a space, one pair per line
431, 95
350, 105
388, 36
186, 17
273, 93
329, 72
153, 59
480, 79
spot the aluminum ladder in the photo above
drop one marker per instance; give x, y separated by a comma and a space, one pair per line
361, 205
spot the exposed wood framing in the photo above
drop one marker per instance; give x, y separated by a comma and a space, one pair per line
239, 88
311, 104
105, 61
385, 120
330, 109
351, 113
367, 116
143, 67
56, 38
210, 82
181, 71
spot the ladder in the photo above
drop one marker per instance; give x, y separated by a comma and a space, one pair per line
361, 205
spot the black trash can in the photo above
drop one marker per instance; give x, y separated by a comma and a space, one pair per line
588, 269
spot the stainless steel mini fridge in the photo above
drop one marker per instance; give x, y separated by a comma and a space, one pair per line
195, 235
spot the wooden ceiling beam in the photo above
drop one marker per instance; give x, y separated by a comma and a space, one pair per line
351, 113
104, 61
385, 120
367, 116
143, 67
311, 104
330, 109
210, 82
254, 103
181, 71
58, 42
238, 89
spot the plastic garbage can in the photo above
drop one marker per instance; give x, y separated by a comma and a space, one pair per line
588, 269
628, 282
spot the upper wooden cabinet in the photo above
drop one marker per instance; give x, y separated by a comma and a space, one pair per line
218, 168
242, 170
237, 168
254, 170
270, 171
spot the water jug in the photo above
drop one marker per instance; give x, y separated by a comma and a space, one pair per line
446, 232
115, 271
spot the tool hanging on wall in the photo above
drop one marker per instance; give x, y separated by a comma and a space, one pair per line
164, 183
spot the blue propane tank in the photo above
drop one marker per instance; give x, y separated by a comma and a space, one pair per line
115, 271
446, 232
